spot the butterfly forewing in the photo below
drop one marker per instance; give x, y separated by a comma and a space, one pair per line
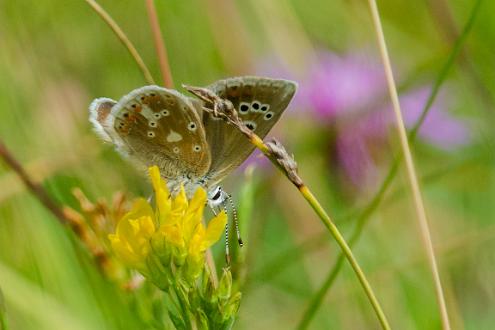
259, 103
158, 126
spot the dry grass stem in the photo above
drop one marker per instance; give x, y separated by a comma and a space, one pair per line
161, 50
35, 188
123, 38
65, 215
411, 172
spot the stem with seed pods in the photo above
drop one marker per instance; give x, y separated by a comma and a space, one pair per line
332, 228
277, 154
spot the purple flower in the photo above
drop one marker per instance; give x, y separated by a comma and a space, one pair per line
439, 128
352, 90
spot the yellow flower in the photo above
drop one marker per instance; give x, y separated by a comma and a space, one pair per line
181, 223
180, 235
131, 242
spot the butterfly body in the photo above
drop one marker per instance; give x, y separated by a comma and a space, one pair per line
157, 126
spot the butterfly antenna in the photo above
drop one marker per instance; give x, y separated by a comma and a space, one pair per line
236, 221
227, 249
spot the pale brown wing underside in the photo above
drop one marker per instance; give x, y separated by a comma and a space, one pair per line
260, 102
158, 126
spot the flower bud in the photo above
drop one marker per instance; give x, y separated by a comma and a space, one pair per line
225, 285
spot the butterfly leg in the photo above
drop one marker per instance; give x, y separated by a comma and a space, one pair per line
215, 109
227, 250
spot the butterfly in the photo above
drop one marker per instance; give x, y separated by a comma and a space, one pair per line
153, 125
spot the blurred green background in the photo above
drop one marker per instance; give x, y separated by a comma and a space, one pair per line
56, 56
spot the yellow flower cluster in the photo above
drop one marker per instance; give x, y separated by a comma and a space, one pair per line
172, 233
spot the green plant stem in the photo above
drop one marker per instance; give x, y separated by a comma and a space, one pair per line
346, 250
123, 38
361, 221
328, 223
365, 214
288, 257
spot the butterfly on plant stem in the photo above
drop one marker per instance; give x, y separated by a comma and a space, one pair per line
157, 126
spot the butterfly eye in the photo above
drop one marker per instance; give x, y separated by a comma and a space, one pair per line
244, 107
192, 126
152, 123
165, 112
269, 115
218, 194
151, 134
196, 148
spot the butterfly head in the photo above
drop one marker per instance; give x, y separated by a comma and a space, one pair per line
216, 197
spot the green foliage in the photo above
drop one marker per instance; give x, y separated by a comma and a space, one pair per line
55, 57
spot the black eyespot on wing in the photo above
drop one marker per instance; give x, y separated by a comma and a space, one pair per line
264, 108
256, 105
250, 126
244, 108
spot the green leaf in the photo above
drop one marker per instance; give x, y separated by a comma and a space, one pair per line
177, 321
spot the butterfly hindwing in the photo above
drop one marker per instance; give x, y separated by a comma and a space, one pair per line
259, 102
99, 110
158, 126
